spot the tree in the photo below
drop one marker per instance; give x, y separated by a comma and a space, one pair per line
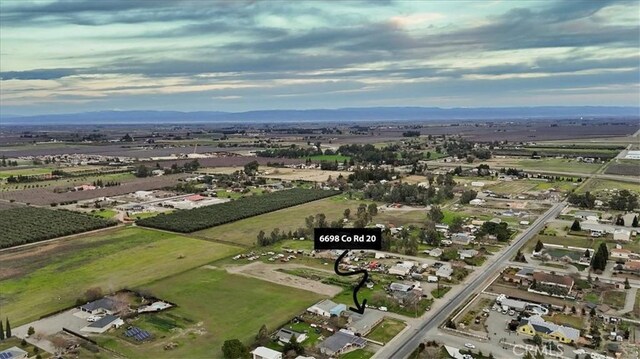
294, 346
372, 209
620, 221
8, 329
573, 310
539, 246
599, 260
263, 335
126, 138
435, 214
626, 284
468, 196
93, 293
576, 226
1, 330
635, 221
31, 331
262, 240
142, 171
537, 340
234, 349
347, 213
251, 168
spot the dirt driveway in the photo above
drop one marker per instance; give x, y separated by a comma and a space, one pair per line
270, 273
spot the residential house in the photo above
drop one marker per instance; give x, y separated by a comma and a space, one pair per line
467, 253
14, 353
265, 353
632, 266
363, 324
621, 254
403, 268
445, 271
102, 325
584, 214
547, 330
621, 234
405, 294
284, 336
476, 202
341, 342
555, 280
104, 305
327, 308
435, 252
442, 228
461, 238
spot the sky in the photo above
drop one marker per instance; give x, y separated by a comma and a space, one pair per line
87, 55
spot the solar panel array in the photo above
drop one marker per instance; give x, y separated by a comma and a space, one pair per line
137, 334
6, 355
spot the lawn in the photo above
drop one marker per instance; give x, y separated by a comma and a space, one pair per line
441, 292
560, 165
52, 276
571, 320
386, 330
358, 354
104, 213
513, 187
219, 306
12, 171
244, 231
614, 298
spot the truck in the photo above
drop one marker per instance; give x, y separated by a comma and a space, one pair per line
432, 279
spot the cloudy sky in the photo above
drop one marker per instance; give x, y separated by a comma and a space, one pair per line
73, 56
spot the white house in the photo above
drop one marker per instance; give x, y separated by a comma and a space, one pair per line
621, 234
476, 202
266, 353
403, 268
435, 252
467, 253
461, 238
477, 184
445, 271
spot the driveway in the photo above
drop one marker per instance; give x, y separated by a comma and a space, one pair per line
70, 319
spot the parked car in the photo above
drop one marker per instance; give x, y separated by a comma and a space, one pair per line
470, 346
512, 313
93, 318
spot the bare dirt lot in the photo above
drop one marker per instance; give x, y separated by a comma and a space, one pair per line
270, 273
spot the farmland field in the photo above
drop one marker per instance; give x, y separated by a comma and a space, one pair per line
598, 184
40, 280
244, 232
561, 165
331, 158
222, 306
192, 220
46, 195
510, 187
386, 330
31, 224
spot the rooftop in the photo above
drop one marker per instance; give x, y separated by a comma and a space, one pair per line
105, 321
553, 278
342, 339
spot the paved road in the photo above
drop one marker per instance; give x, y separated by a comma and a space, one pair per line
403, 345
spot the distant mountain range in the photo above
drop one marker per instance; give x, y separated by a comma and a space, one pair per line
325, 115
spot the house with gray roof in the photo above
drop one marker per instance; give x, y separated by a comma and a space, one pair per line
104, 305
102, 325
284, 336
363, 324
327, 308
341, 342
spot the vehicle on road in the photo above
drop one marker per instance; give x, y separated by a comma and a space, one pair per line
470, 346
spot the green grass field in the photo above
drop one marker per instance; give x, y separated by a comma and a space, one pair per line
50, 277
573, 321
358, 354
220, 306
244, 232
386, 330
106, 214
597, 185
12, 171
560, 165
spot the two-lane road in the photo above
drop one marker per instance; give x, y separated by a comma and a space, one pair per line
405, 344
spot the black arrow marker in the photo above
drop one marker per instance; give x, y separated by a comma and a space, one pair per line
359, 308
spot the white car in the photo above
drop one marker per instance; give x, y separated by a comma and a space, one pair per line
93, 318
512, 313
470, 346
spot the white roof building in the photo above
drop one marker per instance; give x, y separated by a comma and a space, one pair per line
445, 271
621, 234
266, 353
